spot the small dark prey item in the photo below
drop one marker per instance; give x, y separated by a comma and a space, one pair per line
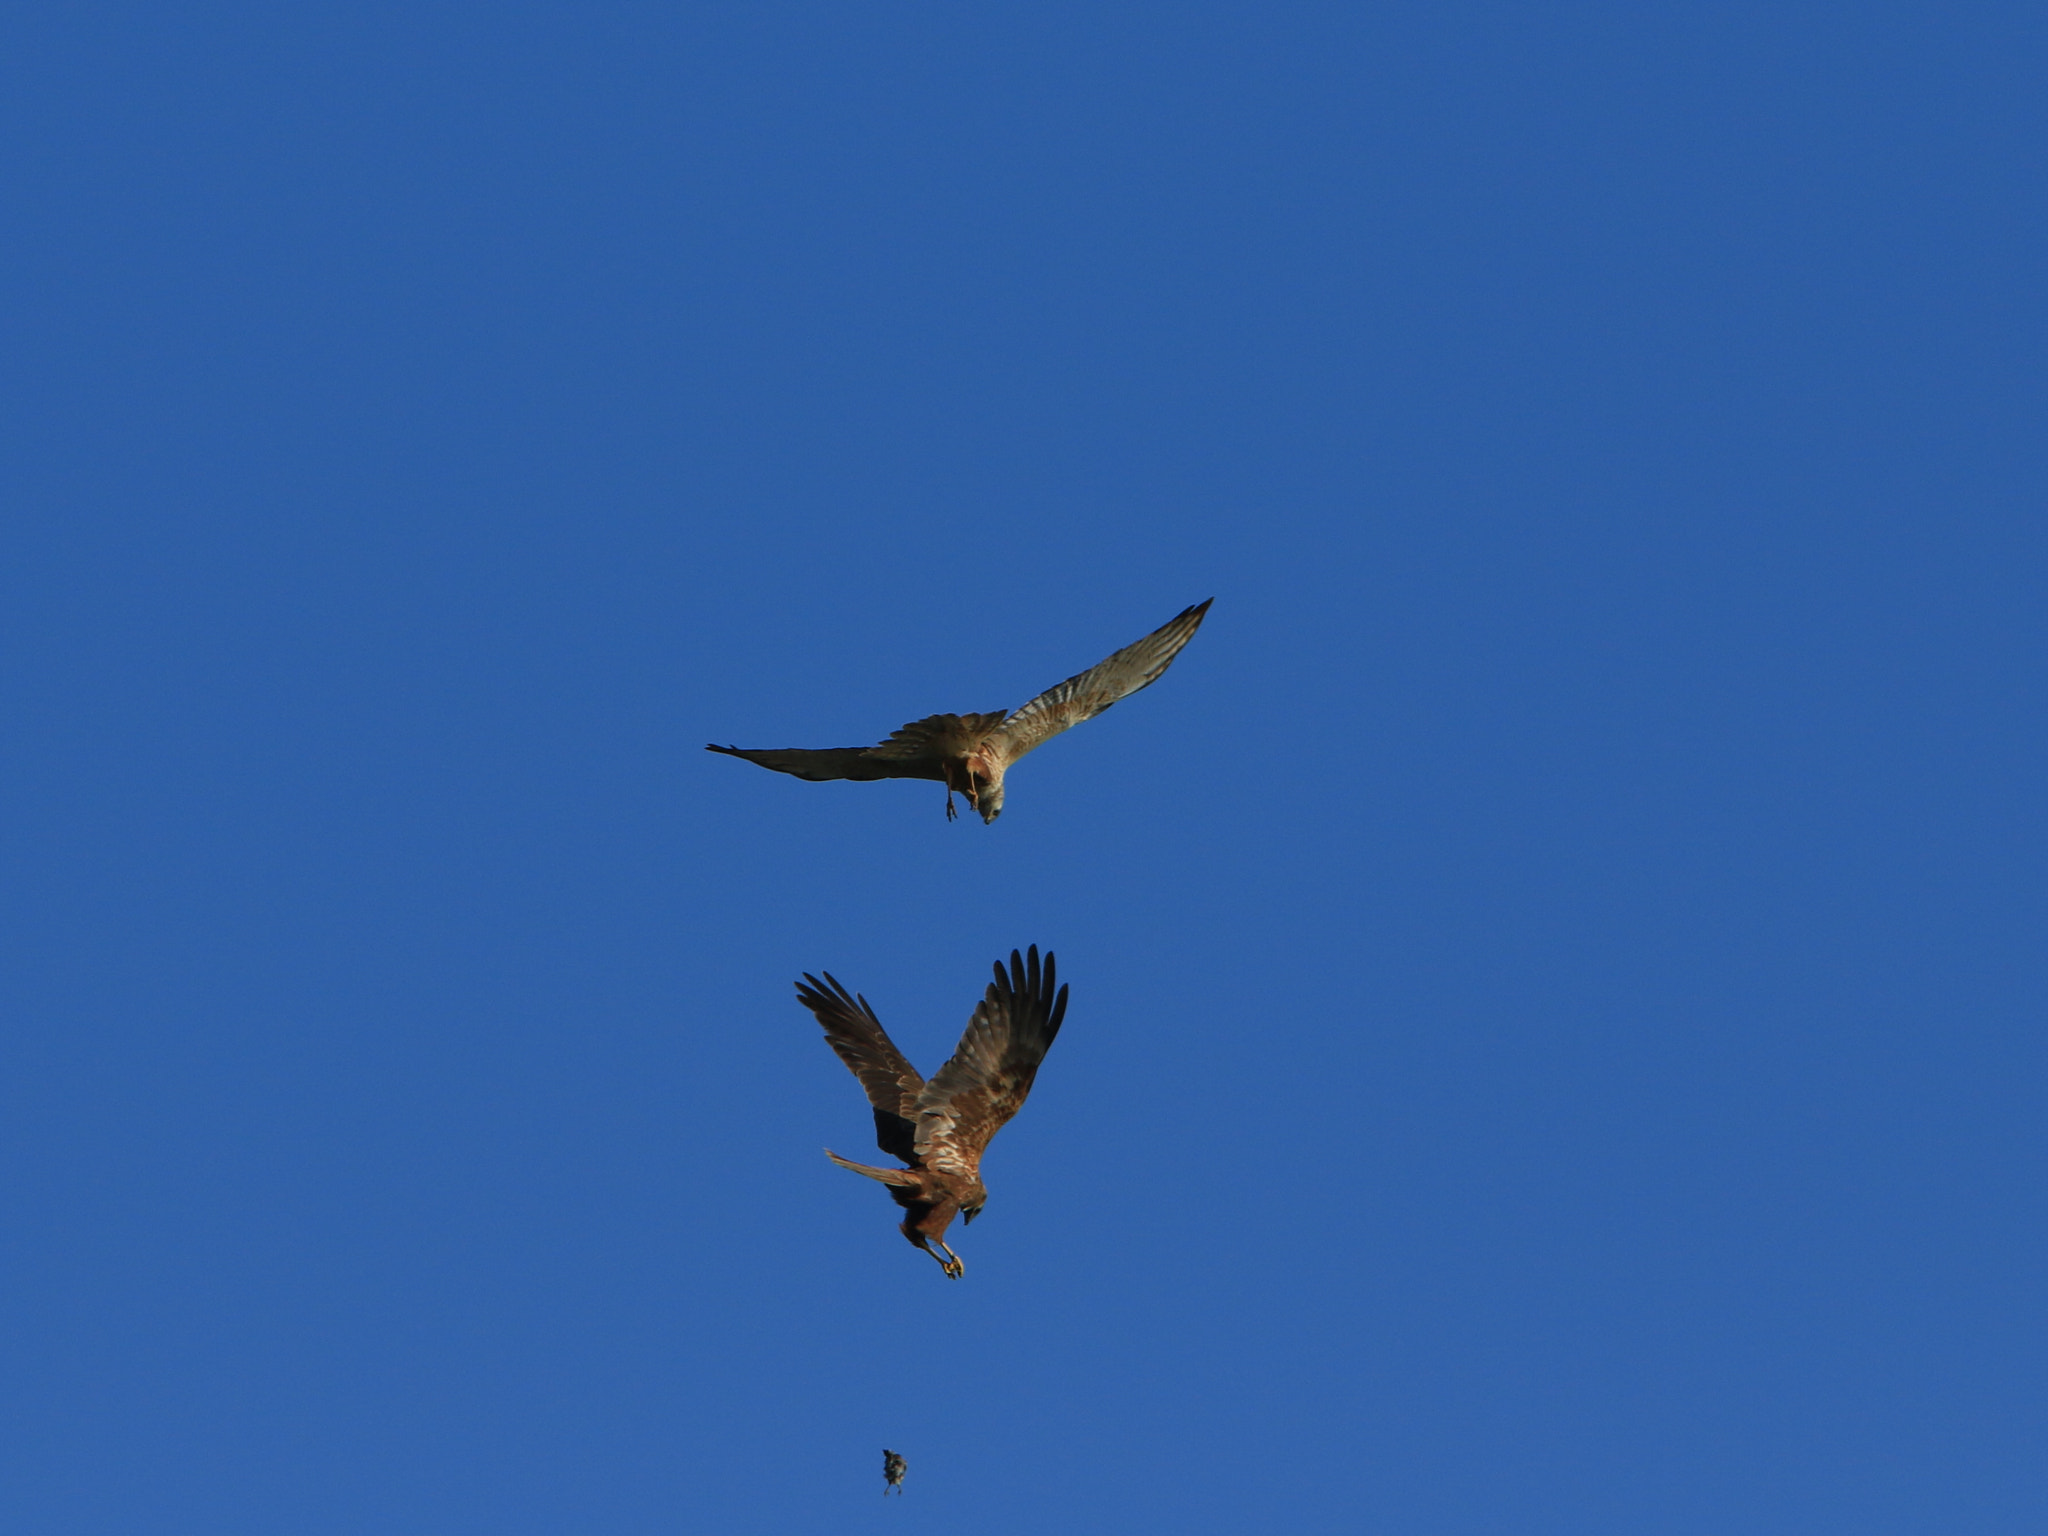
893, 1468
942, 1127
969, 754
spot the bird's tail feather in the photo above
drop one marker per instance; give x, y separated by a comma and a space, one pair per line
900, 1178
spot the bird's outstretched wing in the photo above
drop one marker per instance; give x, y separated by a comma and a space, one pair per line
972, 1096
919, 750
1090, 693
836, 763
892, 1084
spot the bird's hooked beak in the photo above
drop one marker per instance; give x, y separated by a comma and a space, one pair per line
969, 1215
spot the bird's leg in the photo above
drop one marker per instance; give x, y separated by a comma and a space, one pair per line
952, 1265
951, 814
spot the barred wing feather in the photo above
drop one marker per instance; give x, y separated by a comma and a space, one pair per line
1087, 695
974, 1095
892, 1084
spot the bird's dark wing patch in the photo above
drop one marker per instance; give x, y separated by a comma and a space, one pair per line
892, 1084
974, 1095
835, 763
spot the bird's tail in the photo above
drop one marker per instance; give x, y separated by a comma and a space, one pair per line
899, 1178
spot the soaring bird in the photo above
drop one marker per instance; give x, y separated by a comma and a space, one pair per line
942, 1127
969, 754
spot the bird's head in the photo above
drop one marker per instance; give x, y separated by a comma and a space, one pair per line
970, 1206
988, 800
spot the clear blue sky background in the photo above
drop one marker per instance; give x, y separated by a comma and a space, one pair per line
1557, 1030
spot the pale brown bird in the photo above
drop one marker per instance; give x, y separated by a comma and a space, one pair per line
969, 754
942, 1127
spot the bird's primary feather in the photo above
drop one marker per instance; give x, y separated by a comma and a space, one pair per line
892, 1084
835, 763
974, 1094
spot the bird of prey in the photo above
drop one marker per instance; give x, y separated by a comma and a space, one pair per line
942, 1127
969, 754
893, 1468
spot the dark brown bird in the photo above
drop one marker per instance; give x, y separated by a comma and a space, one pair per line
969, 754
893, 1468
942, 1127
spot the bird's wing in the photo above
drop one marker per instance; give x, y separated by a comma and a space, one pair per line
892, 1083
936, 738
919, 750
973, 1095
1089, 694
836, 763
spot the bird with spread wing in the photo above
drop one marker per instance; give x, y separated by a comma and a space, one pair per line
969, 754
942, 1127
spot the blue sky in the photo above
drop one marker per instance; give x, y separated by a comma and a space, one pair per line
1556, 1039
